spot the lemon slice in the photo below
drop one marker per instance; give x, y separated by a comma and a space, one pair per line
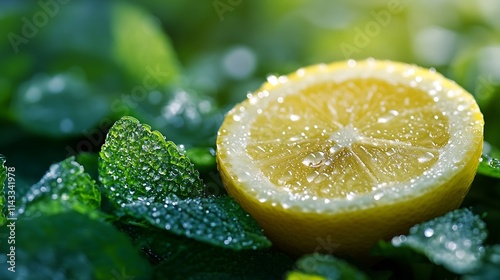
333, 158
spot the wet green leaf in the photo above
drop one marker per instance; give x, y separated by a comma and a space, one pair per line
137, 164
490, 265
454, 240
489, 166
183, 115
64, 187
219, 221
59, 105
319, 266
71, 246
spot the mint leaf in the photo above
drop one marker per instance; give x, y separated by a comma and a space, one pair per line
207, 262
3, 201
68, 103
183, 115
402, 253
71, 245
138, 164
490, 265
454, 240
148, 178
219, 221
65, 186
489, 166
151, 65
155, 244
326, 266
203, 158
179, 257
89, 161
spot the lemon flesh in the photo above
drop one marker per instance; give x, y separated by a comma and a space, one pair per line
349, 153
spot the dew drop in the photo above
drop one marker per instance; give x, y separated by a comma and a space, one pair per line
56, 84
398, 240
228, 240
66, 125
428, 156
451, 246
312, 176
320, 178
33, 95
460, 254
314, 159
285, 178
294, 118
389, 116
272, 79
429, 232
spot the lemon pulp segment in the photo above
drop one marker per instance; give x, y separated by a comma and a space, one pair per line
334, 140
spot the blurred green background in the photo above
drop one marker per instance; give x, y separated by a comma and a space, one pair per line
69, 69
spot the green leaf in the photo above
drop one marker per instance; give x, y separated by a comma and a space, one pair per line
327, 266
219, 221
59, 105
402, 253
3, 176
138, 164
185, 117
71, 246
454, 240
64, 187
90, 162
412, 262
142, 48
490, 265
203, 158
156, 244
489, 166
207, 262
148, 178
184, 258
